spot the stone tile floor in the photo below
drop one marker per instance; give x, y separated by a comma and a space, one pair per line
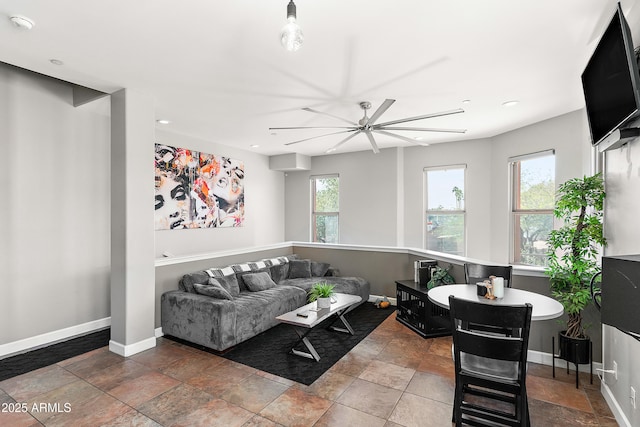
392, 378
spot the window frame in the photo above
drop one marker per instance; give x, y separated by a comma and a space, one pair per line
426, 211
314, 214
514, 195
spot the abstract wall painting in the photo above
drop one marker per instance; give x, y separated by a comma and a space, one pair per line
197, 190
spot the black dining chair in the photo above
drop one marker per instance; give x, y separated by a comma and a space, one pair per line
474, 273
490, 367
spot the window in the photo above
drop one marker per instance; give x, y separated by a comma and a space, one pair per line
445, 214
325, 209
533, 197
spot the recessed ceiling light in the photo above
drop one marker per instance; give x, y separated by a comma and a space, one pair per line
466, 101
330, 150
254, 146
22, 22
419, 138
163, 122
510, 103
56, 62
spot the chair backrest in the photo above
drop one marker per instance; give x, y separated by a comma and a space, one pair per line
468, 319
474, 273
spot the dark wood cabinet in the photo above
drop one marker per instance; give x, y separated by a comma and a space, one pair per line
418, 313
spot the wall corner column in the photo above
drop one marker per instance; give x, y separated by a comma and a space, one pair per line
132, 230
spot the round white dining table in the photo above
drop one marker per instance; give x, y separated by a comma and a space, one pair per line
544, 307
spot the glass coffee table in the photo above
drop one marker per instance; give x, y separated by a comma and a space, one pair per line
340, 304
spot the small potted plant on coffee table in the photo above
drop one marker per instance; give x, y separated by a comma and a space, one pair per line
322, 292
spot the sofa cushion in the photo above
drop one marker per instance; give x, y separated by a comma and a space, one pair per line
248, 267
212, 289
259, 281
257, 311
227, 278
299, 269
188, 280
345, 285
278, 268
319, 269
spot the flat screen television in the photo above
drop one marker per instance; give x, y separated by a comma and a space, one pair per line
610, 81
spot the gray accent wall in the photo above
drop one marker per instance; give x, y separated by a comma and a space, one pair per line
382, 267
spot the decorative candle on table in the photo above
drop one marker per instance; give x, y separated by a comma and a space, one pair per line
498, 287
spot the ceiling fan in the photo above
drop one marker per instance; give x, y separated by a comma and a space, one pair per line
369, 125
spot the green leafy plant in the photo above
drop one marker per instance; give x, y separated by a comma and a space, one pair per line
440, 276
459, 195
321, 290
574, 248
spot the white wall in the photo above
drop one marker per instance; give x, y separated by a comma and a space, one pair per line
568, 135
476, 155
622, 180
55, 216
368, 197
373, 186
55, 243
264, 205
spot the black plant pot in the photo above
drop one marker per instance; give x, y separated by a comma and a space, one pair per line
575, 350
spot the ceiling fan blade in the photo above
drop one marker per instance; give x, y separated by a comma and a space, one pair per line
335, 147
426, 116
319, 136
404, 138
376, 150
421, 129
381, 109
311, 110
314, 127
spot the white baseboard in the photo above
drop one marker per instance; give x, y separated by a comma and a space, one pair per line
131, 349
547, 359
158, 333
614, 406
43, 340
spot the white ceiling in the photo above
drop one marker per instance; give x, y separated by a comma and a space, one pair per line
216, 69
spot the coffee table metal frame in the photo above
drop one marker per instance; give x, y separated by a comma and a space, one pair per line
341, 304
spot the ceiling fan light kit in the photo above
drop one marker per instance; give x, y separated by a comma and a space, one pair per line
370, 125
291, 36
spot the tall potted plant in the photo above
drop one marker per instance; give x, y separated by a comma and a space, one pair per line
573, 254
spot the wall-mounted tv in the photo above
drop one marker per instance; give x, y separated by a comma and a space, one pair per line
610, 81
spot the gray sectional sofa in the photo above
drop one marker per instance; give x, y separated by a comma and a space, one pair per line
221, 307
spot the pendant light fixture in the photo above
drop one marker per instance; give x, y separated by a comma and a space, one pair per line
291, 35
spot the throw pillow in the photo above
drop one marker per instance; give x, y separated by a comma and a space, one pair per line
278, 268
213, 289
258, 281
319, 269
227, 278
299, 269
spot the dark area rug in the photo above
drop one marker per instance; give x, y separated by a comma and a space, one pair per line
269, 351
36, 359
